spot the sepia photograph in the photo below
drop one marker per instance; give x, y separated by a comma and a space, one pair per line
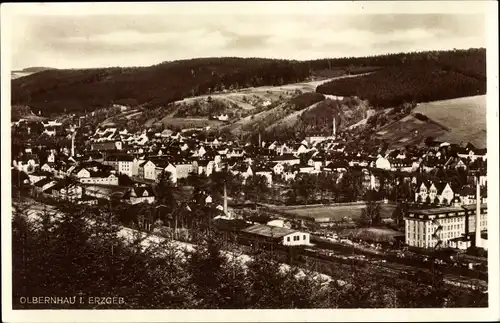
320, 156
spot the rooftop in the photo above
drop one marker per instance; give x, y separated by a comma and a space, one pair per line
449, 209
268, 231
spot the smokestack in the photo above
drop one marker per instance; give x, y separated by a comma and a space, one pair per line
225, 199
334, 127
478, 212
260, 141
73, 144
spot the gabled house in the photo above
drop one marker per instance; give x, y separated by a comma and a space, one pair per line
244, 170
140, 194
206, 167
27, 163
338, 165
266, 172
382, 163
183, 168
435, 193
170, 168
422, 192
100, 178
445, 193
146, 169
277, 168
317, 162
303, 168
273, 146
65, 190
467, 195
123, 164
472, 153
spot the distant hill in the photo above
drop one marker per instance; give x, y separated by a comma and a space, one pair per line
36, 69
464, 117
28, 71
455, 73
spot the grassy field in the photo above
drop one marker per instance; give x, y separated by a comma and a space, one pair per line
465, 117
456, 121
251, 101
410, 131
339, 212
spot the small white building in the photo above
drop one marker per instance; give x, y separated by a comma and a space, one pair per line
223, 117
273, 234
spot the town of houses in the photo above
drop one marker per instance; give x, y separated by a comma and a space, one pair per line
91, 171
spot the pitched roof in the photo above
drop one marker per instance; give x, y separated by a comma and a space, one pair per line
268, 231
440, 187
42, 182
285, 157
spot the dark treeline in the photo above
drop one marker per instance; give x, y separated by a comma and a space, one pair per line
56, 91
419, 78
471, 61
72, 256
317, 120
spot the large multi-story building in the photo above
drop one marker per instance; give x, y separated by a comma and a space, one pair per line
124, 164
450, 225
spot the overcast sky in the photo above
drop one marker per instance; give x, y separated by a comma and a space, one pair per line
81, 41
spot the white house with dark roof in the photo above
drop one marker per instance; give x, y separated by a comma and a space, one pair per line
141, 194
277, 168
279, 235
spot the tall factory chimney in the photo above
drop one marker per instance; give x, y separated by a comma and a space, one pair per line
260, 141
73, 144
478, 212
225, 199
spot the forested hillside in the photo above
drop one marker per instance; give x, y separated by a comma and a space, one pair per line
471, 61
56, 91
318, 119
416, 78
391, 80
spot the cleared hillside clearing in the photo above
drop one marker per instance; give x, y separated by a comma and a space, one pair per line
187, 123
465, 117
409, 131
291, 119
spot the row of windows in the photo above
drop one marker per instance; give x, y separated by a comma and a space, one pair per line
431, 229
442, 235
296, 238
97, 180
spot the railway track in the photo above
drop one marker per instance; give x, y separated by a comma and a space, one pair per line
325, 261
389, 269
